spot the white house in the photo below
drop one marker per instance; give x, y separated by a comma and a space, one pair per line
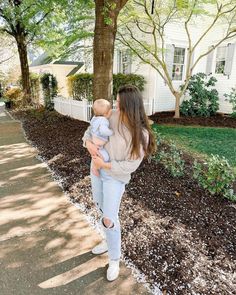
221, 63
61, 69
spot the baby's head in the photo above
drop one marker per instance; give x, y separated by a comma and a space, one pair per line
101, 107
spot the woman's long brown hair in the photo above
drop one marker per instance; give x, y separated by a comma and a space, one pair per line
132, 114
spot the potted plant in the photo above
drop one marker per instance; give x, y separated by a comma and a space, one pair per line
8, 103
12, 97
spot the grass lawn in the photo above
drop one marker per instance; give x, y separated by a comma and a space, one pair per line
203, 141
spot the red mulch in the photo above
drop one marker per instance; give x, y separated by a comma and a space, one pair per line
179, 236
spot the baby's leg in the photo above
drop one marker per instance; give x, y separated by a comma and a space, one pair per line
104, 154
97, 141
105, 157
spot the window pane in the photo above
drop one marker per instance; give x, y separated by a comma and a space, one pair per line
220, 67
179, 55
177, 72
179, 59
221, 53
177, 51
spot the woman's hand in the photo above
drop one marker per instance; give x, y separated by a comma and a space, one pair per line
99, 163
92, 148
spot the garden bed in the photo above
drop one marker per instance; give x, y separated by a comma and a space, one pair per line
219, 120
180, 237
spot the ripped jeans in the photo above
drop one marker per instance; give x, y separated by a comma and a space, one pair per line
107, 194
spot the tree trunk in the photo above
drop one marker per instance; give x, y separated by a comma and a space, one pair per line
103, 46
177, 104
22, 50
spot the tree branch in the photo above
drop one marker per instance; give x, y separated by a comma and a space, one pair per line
214, 47
126, 43
139, 27
2, 61
209, 28
143, 46
6, 31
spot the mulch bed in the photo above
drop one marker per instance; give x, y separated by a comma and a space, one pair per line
219, 120
180, 237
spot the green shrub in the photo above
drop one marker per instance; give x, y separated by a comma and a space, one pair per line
216, 176
128, 79
168, 155
172, 160
233, 115
49, 85
204, 101
161, 145
231, 97
35, 87
80, 86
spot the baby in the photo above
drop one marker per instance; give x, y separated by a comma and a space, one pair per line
100, 130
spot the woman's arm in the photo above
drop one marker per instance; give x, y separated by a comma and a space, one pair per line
125, 167
118, 167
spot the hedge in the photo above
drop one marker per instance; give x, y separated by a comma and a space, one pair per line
80, 86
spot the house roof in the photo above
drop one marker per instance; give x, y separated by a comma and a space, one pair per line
75, 69
44, 59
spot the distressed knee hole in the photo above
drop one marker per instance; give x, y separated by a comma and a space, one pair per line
108, 223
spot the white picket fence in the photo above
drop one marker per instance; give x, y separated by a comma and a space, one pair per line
82, 110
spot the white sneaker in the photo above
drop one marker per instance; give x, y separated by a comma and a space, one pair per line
113, 270
100, 248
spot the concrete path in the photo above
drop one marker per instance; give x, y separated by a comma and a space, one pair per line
45, 241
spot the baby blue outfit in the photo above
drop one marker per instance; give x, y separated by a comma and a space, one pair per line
100, 129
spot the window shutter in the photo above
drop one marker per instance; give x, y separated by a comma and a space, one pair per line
169, 58
229, 59
209, 62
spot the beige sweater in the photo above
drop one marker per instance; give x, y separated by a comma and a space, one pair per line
118, 148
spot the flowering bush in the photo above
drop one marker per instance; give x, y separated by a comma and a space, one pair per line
14, 95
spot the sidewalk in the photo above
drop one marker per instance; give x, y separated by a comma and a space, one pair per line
45, 241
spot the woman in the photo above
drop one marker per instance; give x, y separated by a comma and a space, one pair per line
132, 140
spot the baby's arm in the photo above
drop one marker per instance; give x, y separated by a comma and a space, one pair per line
104, 128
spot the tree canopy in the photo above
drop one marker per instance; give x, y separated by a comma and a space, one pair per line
144, 24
